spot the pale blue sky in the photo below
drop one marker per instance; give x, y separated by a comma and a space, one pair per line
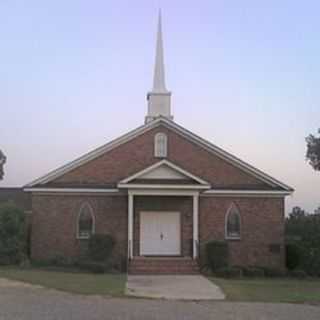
244, 75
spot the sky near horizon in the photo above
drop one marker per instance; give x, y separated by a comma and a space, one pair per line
244, 74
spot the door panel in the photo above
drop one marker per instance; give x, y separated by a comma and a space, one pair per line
160, 233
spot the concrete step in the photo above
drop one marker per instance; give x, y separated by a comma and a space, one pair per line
141, 265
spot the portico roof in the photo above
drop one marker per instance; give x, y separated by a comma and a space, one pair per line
164, 175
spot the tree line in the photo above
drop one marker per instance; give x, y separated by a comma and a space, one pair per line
303, 240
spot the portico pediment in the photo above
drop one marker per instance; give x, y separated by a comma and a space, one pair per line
164, 174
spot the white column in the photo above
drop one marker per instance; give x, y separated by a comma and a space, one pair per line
195, 225
130, 225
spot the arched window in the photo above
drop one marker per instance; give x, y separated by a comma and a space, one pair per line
86, 222
160, 145
233, 223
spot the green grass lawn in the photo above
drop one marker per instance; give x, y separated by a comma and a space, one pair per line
270, 290
81, 283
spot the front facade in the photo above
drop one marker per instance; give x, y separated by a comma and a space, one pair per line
162, 193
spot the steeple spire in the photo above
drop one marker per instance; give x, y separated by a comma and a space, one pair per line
159, 99
159, 73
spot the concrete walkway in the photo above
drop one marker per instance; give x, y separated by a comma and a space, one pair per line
193, 287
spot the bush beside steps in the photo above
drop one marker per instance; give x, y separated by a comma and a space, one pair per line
93, 266
257, 272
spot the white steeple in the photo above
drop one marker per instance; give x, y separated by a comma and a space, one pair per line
159, 98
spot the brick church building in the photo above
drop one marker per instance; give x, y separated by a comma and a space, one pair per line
162, 192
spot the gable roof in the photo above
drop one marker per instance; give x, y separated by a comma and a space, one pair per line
174, 171
176, 128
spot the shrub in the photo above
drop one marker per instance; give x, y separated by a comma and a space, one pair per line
100, 247
217, 254
253, 272
59, 260
274, 273
229, 272
298, 274
293, 256
12, 234
93, 266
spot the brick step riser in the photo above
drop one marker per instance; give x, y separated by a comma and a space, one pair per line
177, 270
162, 273
163, 267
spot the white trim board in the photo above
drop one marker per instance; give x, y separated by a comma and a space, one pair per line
178, 129
163, 186
92, 155
245, 193
157, 192
70, 190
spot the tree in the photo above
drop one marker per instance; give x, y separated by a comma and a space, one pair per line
303, 231
2, 162
313, 151
13, 236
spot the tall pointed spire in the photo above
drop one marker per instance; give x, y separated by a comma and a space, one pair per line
159, 99
159, 72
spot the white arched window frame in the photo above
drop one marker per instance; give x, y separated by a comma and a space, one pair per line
85, 221
233, 223
160, 145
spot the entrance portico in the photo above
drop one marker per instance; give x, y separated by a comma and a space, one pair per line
163, 216
166, 224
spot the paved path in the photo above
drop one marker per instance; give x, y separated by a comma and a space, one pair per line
28, 303
188, 287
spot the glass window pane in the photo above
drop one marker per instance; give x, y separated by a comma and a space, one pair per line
233, 223
85, 222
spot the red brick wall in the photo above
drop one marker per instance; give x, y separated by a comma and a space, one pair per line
138, 154
179, 204
54, 217
262, 221
54, 224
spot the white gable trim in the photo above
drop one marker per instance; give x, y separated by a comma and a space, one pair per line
227, 156
245, 193
163, 172
170, 165
93, 154
177, 128
70, 190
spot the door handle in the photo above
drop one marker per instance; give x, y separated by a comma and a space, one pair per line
161, 236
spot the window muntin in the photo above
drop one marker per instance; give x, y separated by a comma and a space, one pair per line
160, 145
233, 223
86, 222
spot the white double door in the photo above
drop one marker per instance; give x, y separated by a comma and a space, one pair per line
160, 233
